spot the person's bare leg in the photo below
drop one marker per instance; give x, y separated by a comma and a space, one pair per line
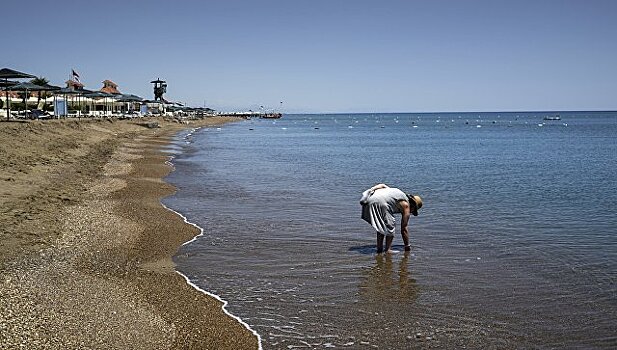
379, 243
389, 240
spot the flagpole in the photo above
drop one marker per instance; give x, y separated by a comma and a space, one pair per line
66, 100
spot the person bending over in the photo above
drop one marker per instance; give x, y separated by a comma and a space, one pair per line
379, 204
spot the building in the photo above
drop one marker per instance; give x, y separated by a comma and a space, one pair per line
74, 85
110, 87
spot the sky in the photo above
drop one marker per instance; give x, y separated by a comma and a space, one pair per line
314, 56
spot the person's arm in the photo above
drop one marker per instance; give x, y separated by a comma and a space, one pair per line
366, 194
378, 187
406, 212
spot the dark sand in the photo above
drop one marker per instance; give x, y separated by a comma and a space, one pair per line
86, 246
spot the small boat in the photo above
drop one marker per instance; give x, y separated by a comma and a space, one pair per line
552, 117
271, 115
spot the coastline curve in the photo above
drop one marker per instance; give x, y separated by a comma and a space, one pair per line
224, 302
189, 282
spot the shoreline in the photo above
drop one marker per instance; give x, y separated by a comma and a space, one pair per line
210, 294
87, 243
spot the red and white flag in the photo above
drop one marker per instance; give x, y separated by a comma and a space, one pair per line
75, 75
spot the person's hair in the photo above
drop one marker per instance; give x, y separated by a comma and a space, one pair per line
411, 200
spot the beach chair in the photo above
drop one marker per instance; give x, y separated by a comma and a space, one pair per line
39, 114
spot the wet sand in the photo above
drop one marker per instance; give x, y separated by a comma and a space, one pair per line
86, 246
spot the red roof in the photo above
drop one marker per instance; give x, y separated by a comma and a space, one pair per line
73, 83
110, 87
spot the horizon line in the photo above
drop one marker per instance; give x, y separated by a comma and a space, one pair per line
476, 111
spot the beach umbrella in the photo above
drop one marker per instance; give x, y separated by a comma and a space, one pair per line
6, 74
66, 91
7, 83
27, 86
129, 99
51, 88
100, 94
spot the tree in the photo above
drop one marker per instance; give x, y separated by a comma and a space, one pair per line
41, 81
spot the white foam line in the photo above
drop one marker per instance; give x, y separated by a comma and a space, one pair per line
186, 221
190, 283
170, 164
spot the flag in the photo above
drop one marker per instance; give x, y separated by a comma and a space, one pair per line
75, 75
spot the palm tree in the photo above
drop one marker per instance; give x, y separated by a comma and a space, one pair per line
41, 81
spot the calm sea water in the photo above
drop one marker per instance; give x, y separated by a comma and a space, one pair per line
516, 245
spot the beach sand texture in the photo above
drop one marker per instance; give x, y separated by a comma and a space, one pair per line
86, 246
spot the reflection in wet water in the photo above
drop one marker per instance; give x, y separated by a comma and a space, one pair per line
386, 280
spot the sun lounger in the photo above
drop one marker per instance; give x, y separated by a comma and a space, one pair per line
39, 114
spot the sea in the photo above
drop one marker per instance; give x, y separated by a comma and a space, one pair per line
515, 246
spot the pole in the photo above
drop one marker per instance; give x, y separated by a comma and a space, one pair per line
26, 103
8, 105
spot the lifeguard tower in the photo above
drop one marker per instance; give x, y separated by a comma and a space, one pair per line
160, 87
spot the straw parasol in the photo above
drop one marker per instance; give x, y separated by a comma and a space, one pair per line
6, 74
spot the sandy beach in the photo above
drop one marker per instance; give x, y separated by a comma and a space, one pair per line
86, 246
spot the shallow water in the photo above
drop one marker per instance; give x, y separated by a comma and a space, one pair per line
516, 245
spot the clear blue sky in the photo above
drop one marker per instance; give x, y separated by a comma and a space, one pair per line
328, 55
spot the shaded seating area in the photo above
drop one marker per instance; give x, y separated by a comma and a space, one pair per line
26, 88
36, 99
6, 74
56, 102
